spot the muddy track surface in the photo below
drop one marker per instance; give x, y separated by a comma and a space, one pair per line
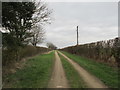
58, 79
90, 80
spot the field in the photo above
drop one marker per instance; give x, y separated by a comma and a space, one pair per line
105, 73
39, 70
59, 45
35, 74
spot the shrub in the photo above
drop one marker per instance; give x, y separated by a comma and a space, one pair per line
107, 51
9, 56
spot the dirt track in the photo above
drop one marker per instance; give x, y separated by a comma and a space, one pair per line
58, 79
90, 80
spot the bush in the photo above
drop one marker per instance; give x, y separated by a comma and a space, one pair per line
9, 56
107, 51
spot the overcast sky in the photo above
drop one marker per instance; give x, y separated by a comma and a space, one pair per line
96, 20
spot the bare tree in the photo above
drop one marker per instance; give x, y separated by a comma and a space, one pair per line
51, 45
41, 17
38, 35
42, 14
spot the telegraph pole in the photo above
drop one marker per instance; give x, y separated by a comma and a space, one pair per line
77, 35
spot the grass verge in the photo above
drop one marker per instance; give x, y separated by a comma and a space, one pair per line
72, 75
105, 73
35, 74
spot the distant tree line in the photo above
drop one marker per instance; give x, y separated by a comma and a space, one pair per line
23, 23
106, 51
51, 46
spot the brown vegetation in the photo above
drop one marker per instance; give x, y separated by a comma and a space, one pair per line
103, 51
10, 60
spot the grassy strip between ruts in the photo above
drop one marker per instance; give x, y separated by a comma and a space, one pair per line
75, 81
105, 73
35, 74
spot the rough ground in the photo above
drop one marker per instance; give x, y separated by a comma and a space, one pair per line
58, 79
90, 80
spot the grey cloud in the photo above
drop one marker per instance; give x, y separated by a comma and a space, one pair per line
97, 21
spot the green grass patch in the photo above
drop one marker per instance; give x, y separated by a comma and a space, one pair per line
107, 74
35, 74
75, 81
